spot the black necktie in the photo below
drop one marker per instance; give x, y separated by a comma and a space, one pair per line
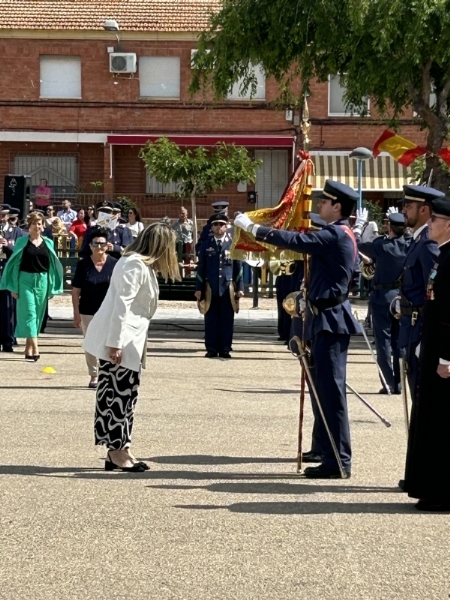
219, 245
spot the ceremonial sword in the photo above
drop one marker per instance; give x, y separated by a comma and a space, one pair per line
369, 345
303, 358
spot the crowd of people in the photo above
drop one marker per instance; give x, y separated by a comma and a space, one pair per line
115, 293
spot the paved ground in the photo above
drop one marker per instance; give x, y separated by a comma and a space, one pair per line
222, 513
184, 316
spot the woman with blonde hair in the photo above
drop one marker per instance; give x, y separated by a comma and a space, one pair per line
32, 275
117, 336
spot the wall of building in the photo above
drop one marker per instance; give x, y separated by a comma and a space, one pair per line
111, 104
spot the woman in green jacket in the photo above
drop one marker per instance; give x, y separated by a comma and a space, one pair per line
32, 275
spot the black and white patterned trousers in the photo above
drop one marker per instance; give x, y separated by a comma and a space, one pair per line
117, 394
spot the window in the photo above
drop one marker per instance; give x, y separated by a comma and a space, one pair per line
159, 76
60, 170
60, 77
271, 177
260, 94
336, 104
153, 186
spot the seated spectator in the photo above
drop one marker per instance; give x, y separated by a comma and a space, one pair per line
79, 228
135, 225
67, 215
90, 217
49, 215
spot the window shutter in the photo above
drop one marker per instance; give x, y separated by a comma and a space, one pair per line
156, 187
260, 93
159, 76
60, 76
272, 177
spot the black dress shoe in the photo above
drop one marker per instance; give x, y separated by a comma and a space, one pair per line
402, 485
433, 505
139, 467
311, 457
384, 391
224, 355
143, 465
211, 355
322, 472
8, 349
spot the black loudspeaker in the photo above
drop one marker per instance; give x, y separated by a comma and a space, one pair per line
16, 193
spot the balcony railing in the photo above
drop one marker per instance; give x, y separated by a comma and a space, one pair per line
149, 206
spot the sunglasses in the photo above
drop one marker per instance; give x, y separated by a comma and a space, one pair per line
98, 244
434, 217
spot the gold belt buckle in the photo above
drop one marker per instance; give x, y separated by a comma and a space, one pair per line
414, 317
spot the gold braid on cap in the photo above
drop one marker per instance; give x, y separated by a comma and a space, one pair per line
414, 199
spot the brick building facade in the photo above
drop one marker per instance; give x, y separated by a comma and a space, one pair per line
66, 118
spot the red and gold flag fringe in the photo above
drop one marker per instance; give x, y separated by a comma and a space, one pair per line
290, 214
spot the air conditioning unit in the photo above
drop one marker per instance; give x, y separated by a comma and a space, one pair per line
122, 62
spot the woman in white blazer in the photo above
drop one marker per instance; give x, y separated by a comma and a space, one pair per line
117, 336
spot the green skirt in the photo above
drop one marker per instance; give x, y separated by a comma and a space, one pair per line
31, 303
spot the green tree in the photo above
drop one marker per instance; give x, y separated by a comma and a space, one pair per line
125, 204
200, 170
396, 52
375, 212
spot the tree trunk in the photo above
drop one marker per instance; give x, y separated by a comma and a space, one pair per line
437, 174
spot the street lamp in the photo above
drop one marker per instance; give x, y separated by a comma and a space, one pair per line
113, 26
360, 154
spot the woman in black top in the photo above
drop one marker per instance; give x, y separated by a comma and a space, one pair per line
89, 286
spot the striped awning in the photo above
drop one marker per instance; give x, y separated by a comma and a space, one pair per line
381, 174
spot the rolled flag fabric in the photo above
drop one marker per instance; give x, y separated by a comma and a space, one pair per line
292, 214
403, 151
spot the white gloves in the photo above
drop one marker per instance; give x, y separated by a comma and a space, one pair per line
301, 306
391, 210
361, 218
244, 222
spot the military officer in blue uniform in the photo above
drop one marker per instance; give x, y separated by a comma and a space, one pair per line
119, 238
389, 255
220, 208
420, 258
329, 323
8, 236
216, 269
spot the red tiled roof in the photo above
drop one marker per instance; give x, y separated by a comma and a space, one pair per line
132, 15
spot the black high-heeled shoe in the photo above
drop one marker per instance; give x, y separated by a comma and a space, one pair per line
136, 468
36, 357
29, 358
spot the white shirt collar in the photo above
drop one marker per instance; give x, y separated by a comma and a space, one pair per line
444, 243
221, 239
419, 231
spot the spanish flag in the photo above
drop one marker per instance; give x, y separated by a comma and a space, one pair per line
403, 151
